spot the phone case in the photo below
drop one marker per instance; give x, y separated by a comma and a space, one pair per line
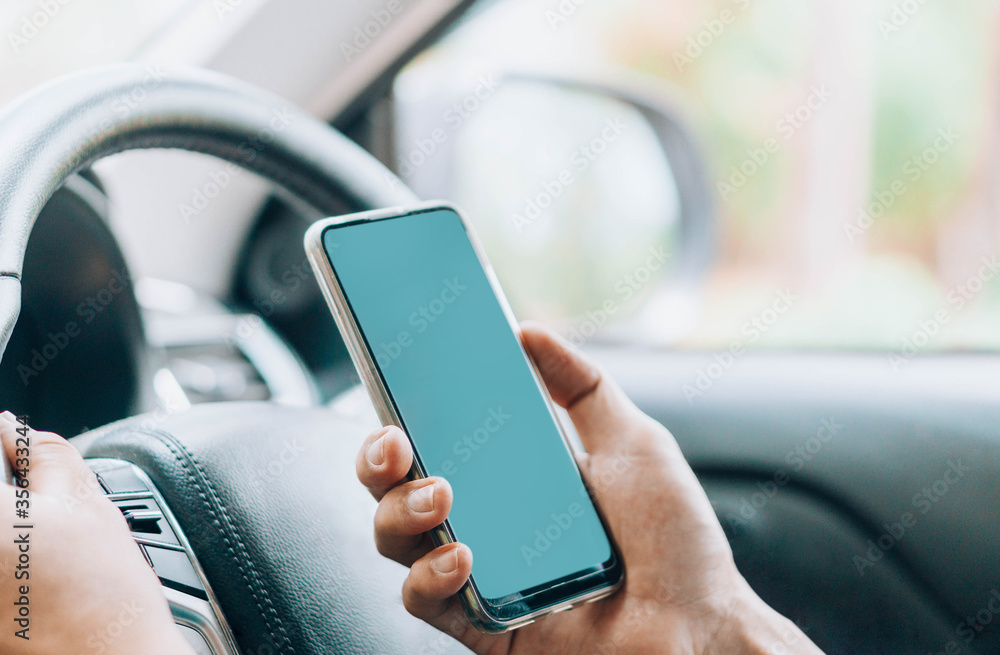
351, 333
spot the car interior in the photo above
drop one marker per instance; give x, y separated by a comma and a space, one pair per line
774, 224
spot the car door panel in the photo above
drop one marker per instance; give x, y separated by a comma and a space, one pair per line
911, 468
790, 550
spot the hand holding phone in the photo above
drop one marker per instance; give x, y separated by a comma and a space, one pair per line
683, 592
480, 495
437, 348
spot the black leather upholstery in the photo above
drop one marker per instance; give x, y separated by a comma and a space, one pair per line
268, 497
63, 126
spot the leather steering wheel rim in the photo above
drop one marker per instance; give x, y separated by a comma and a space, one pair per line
65, 125
266, 494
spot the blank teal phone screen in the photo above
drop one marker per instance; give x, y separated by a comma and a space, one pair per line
468, 399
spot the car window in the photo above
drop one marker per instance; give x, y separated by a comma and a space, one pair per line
849, 149
47, 38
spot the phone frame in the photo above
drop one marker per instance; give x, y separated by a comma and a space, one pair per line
477, 611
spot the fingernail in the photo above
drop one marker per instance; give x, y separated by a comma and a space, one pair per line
422, 500
447, 563
376, 452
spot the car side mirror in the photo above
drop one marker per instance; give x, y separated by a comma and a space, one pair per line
591, 197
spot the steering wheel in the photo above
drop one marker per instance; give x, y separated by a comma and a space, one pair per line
264, 496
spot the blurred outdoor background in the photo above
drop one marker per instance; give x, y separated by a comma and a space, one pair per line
883, 81
850, 147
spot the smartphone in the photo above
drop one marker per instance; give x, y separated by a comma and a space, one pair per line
438, 349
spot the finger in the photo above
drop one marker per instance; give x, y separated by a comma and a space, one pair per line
53, 465
384, 460
429, 592
598, 407
406, 512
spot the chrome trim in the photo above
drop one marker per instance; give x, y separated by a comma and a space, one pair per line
197, 614
159, 544
194, 319
8, 472
127, 495
142, 515
203, 616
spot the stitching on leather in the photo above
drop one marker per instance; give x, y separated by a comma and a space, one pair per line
256, 588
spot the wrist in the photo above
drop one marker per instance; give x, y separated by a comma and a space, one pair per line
749, 626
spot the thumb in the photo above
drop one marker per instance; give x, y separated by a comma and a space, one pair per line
600, 410
53, 465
